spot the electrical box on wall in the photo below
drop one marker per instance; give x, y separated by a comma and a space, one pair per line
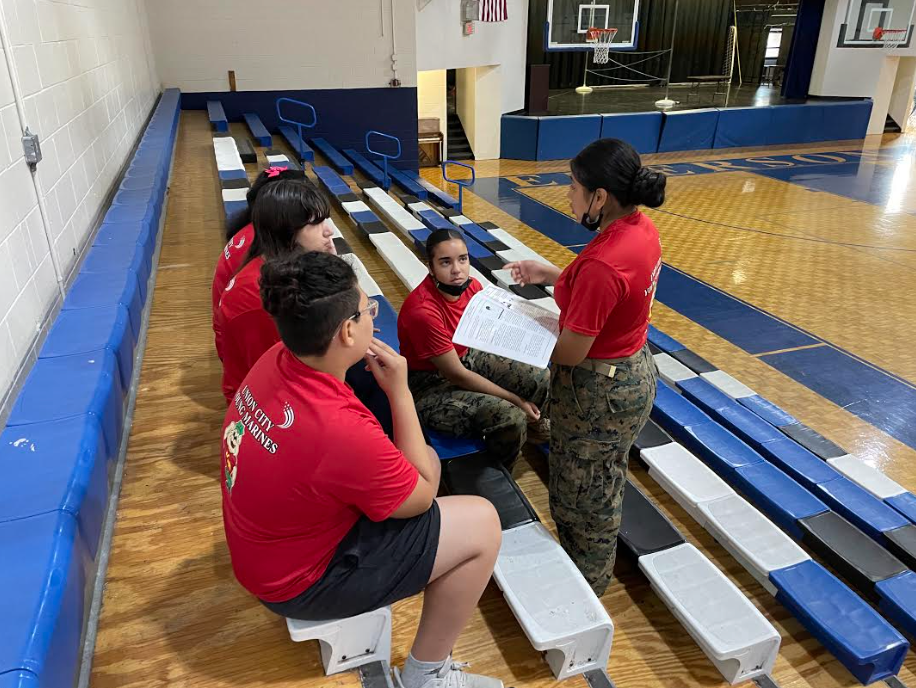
470, 10
469, 28
31, 146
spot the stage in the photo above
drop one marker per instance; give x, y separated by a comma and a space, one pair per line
642, 98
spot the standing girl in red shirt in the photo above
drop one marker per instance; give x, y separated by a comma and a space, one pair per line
460, 391
603, 376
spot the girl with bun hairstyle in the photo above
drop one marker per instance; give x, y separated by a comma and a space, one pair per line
603, 378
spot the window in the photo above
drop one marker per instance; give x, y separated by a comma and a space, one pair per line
774, 40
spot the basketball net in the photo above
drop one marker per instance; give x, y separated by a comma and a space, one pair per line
891, 39
601, 39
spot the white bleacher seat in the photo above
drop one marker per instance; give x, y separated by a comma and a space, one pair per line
517, 245
227, 154
420, 206
401, 259
366, 283
478, 275
553, 603
348, 643
351, 207
547, 303
867, 477
235, 195
273, 159
393, 210
503, 278
727, 627
751, 538
671, 370
337, 233
726, 384
685, 477
549, 290
460, 220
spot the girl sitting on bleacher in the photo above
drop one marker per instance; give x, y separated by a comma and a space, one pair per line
463, 392
240, 232
325, 517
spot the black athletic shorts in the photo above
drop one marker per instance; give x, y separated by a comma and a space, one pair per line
376, 564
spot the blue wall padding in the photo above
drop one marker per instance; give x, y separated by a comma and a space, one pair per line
42, 593
846, 120
688, 130
794, 124
741, 127
560, 138
640, 129
519, 137
344, 114
57, 466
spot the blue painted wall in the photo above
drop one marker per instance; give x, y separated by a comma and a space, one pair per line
344, 115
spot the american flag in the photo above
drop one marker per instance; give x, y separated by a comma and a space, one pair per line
494, 10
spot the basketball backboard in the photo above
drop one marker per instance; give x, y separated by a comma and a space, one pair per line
863, 16
569, 20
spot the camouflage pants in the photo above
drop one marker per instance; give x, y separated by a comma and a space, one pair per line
458, 412
594, 421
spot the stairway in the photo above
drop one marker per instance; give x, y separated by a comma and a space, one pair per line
458, 146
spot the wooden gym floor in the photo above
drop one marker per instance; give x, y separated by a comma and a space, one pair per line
802, 260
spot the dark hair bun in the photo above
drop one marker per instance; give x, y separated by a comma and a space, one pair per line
289, 285
648, 188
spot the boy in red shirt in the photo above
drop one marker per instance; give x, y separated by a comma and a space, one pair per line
325, 517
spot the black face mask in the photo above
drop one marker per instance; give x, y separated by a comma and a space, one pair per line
590, 224
452, 289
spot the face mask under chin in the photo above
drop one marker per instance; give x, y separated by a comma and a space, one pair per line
453, 289
590, 224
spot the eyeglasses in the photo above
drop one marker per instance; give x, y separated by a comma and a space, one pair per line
371, 309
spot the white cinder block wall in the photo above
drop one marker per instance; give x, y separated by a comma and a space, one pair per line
88, 81
276, 45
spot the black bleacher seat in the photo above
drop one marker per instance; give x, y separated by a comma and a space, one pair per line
490, 263
849, 551
529, 291
448, 212
650, 436
373, 228
480, 475
348, 198
901, 542
238, 183
696, 363
408, 200
813, 441
246, 150
342, 247
643, 528
497, 246
654, 349
487, 225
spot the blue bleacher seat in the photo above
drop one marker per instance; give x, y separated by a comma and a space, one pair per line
363, 217
230, 208
438, 194
133, 213
57, 466
92, 290
334, 156
292, 138
42, 594
478, 233
258, 130
91, 329
233, 174
118, 258
448, 447
19, 679
897, 598
671, 407
777, 495
798, 462
73, 386
387, 323
719, 448
859, 507
904, 504
408, 184
419, 237
663, 341
367, 168
217, 116
434, 220
850, 629
116, 233
767, 410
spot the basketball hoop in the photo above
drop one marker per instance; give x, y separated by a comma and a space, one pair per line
891, 39
601, 39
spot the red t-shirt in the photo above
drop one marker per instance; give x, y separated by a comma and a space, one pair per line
244, 329
608, 290
229, 263
302, 459
427, 323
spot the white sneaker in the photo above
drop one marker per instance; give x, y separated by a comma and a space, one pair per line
452, 675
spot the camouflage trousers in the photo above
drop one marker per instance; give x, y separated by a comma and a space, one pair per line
594, 421
448, 409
